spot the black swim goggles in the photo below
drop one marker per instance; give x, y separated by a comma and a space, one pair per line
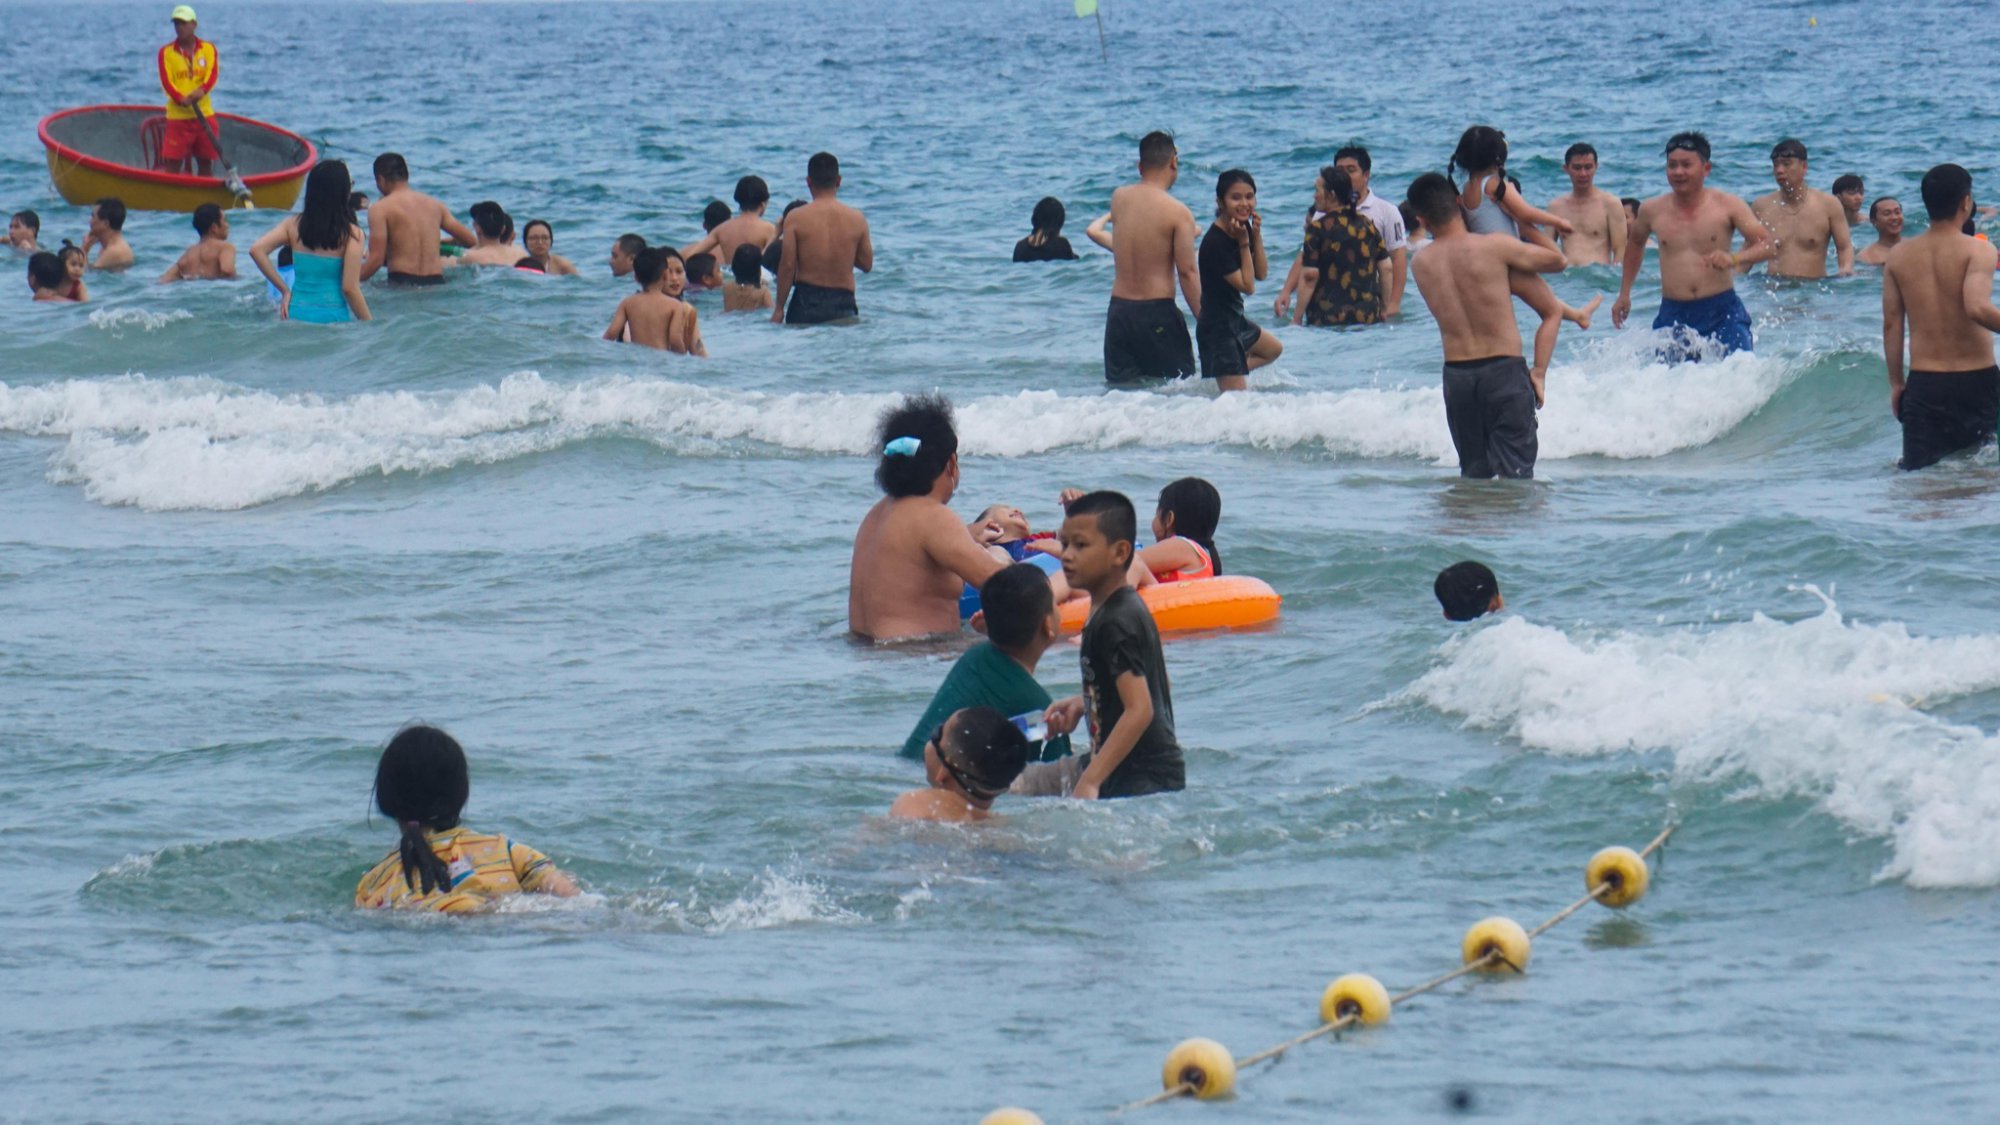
973, 789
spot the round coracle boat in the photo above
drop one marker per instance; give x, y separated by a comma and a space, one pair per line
112, 150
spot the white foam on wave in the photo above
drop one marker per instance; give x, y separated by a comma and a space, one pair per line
196, 443
1820, 708
117, 321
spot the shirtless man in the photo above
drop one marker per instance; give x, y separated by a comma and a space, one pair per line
1850, 189
748, 225
1597, 216
1154, 241
403, 228
1803, 221
623, 251
211, 258
652, 317
1941, 283
825, 242
1886, 216
912, 556
107, 233
1489, 402
1696, 226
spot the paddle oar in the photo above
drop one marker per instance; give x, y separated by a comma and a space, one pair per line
234, 182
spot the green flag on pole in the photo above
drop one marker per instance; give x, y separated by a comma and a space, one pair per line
1086, 9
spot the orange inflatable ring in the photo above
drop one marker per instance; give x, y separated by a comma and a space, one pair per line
1232, 601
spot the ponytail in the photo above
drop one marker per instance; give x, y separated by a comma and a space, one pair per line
420, 863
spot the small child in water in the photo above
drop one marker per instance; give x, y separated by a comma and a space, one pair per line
212, 257
47, 279
75, 262
970, 759
655, 316
704, 272
440, 865
746, 292
1468, 591
1183, 528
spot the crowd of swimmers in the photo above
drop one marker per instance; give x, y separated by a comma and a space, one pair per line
1468, 236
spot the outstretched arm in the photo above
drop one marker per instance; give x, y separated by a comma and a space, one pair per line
1097, 230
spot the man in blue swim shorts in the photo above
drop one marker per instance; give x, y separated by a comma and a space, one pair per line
1696, 226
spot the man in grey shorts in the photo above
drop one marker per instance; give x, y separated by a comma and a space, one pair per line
1489, 402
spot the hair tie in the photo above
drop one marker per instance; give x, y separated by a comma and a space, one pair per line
902, 447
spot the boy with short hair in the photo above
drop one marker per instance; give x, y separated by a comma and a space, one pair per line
211, 258
746, 293
969, 759
1126, 695
24, 231
1467, 591
48, 279
107, 226
999, 672
703, 272
653, 317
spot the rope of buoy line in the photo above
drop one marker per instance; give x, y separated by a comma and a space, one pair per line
1616, 877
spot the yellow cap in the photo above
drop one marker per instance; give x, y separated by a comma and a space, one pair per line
184, 13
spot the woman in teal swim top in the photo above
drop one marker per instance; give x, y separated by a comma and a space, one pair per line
326, 250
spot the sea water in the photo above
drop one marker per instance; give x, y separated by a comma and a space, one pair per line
235, 555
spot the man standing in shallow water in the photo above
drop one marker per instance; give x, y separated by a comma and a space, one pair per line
1153, 242
1803, 221
403, 228
1695, 225
1941, 284
1596, 216
825, 242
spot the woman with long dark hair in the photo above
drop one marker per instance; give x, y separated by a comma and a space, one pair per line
327, 248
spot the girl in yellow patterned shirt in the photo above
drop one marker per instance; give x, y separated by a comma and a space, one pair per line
440, 865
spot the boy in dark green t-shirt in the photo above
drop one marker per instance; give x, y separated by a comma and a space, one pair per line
999, 672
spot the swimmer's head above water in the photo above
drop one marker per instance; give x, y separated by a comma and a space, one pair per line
1468, 590
421, 783
1435, 199
1159, 157
752, 193
1190, 508
714, 215
926, 421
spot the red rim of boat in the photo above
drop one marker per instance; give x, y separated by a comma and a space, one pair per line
171, 179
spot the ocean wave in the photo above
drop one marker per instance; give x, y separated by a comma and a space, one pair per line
198, 443
1822, 709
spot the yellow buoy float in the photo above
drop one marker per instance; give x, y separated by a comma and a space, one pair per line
1202, 1065
1358, 995
1622, 872
1503, 936
1010, 1116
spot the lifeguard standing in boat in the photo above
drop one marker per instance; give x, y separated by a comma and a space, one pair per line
187, 74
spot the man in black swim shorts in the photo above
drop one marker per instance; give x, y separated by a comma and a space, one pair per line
825, 242
1153, 242
1940, 283
1489, 402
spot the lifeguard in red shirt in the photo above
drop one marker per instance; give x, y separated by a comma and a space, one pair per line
187, 74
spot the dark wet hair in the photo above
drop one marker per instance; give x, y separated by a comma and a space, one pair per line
421, 783
791, 207
1879, 201
701, 267
1230, 179
490, 219
823, 170
752, 192
46, 271
982, 750
647, 267
1848, 182
206, 216
1156, 149
714, 215
1628, 201
1482, 148
30, 220
1692, 140
1339, 185
631, 244
69, 249
1580, 148
1465, 590
357, 201
1435, 198
1411, 220
747, 264
1049, 216
324, 220
1944, 188
1016, 600
1116, 518
112, 210
1196, 507
1789, 147
1359, 155
390, 168
927, 418
542, 223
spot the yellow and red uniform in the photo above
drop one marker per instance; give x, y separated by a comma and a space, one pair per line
183, 74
